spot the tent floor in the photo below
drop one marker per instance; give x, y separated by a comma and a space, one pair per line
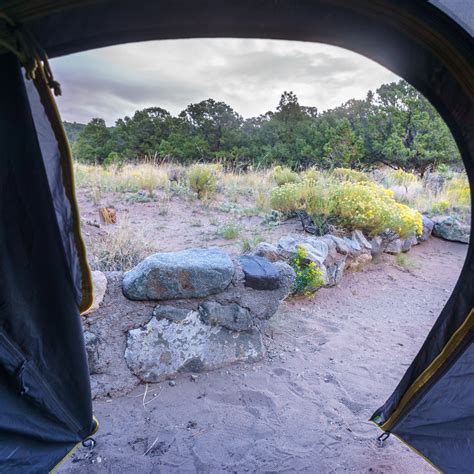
303, 408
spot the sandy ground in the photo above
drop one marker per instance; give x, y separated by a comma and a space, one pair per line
331, 362
176, 224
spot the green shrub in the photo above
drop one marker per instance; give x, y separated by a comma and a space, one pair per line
308, 276
229, 231
113, 159
282, 175
249, 243
403, 261
120, 250
440, 207
202, 180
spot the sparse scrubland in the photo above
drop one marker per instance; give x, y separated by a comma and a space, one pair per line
243, 208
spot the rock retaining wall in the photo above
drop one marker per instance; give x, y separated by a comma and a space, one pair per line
158, 329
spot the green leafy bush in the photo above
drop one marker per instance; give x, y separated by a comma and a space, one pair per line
282, 175
202, 180
113, 159
229, 231
440, 207
308, 276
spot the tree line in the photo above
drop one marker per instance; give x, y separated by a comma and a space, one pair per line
395, 126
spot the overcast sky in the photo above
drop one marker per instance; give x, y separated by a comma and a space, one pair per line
247, 74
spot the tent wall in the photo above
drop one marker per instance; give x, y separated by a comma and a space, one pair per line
44, 382
413, 38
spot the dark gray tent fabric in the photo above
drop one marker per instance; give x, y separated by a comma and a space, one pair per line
51, 156
428, 45
45, 400
441, 423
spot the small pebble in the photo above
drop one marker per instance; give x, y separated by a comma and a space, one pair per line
193, 378
172, 383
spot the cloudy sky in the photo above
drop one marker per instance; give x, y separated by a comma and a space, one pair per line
247, 74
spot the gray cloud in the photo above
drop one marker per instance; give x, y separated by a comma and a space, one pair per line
248, 74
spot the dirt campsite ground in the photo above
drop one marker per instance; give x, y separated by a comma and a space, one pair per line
331, 361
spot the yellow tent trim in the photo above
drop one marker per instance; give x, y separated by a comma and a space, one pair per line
51, 109
431, 370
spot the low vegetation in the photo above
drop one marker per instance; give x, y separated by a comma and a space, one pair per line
337, 200
308, 276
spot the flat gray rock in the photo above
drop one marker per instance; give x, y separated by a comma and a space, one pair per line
377, 244
359, 237
394, 247
171, 313
163, 348
269, 251
316, 249
193, 273
428, 225
408, 243
260, 274
230, 316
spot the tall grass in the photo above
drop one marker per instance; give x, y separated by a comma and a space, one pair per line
436, 193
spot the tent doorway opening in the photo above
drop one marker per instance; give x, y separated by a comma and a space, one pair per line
203, 176
48, 278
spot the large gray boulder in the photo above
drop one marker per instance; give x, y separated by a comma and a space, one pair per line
163, 347
450, 228
193, 273
427, 229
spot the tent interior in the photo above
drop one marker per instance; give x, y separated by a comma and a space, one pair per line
44, 389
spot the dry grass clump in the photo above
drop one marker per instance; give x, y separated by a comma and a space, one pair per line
118, 250
129, 178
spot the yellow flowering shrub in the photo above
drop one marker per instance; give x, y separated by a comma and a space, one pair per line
308, 276
307, 195
458, 191
365, 206
372, 208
